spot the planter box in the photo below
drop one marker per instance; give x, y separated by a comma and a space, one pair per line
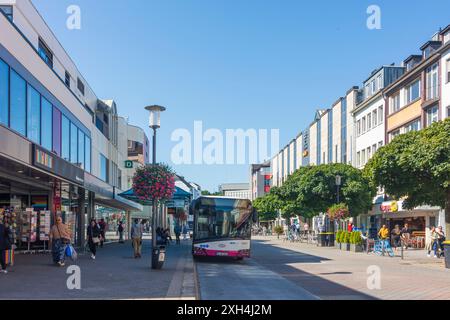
345, 246
337, 245
356, 248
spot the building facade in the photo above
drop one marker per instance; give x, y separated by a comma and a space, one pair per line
60, 152
261, 180
236, 190
369, 113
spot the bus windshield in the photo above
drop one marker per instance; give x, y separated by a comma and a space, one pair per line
222, 218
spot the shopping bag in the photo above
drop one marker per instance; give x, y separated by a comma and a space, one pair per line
74, 256
69, 250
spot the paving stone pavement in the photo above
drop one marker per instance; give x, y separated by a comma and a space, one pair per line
115, 274
333, 274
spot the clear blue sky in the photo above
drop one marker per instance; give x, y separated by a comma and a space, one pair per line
235, 63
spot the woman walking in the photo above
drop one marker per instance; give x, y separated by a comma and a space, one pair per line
120, 230
93, 233
395, 235
59, 239
4, 245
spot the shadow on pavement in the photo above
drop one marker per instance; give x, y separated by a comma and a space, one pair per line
279, 260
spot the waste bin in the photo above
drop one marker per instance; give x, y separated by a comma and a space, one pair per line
325, 239
159, 256
447, 254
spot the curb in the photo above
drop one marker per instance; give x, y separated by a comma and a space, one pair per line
196, 281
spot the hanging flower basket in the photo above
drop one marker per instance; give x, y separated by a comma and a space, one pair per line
154, 182
338, 212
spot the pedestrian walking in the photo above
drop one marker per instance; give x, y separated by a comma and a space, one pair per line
93, 234
406, 235
184, 231
137, 230
120, 230
5, 244
439, 242
167, 236
395, 236
102, 226
429, 242
177, 231
59, 238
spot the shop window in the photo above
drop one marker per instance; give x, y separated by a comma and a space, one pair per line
33, 115
18, 103
4, 93
46, 124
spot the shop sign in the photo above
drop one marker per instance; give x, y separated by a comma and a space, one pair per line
49, 162
391, 206
43, 158
128, 164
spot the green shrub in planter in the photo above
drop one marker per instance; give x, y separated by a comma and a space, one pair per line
356, 242
278, 230
338, 236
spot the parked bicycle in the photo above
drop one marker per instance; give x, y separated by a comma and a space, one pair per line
382, 247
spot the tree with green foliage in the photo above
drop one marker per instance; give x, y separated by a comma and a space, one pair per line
268, 205
312, 189
416, 167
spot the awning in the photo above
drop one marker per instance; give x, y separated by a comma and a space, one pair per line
107, 195
179, 194
130, 195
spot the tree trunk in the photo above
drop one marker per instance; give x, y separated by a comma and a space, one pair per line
447, 216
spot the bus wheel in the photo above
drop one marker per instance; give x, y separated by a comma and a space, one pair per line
240, 258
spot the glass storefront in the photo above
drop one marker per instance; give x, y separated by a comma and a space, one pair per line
112, 218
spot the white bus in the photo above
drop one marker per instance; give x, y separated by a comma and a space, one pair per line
222, 227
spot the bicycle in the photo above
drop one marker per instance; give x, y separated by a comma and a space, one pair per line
383, 246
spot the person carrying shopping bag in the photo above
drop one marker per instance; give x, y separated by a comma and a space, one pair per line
94, 234
59, 238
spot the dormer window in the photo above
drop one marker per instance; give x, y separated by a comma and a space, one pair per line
446, 37
429, 48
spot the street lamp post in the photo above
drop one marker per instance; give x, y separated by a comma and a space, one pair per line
155, 123
338, 184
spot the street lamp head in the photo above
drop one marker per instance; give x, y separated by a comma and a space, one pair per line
155, 115
338, 180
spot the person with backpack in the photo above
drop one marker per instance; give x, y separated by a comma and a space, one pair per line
5, 244
120, 230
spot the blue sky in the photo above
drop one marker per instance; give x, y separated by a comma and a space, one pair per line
235, 63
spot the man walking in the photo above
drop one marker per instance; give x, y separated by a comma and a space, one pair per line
102, 225
137, 230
